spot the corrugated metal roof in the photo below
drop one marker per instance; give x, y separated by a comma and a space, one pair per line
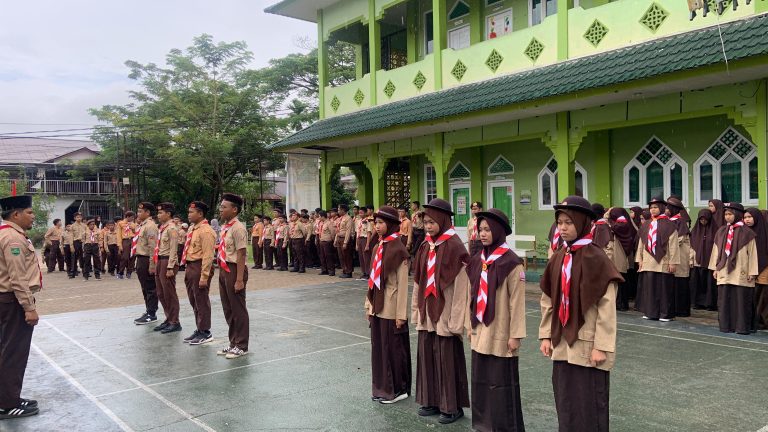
40, 150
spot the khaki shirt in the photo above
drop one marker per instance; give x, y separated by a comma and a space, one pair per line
684, 245
327, 231
53, 234
361, 227
451, 321
281, 233
202, 247
257, 230
648, 262
78, 229
297, 231
125, 230
395, 295
269, 232
92, 237
405, 227
615, 252
598, 332
169, 243
509, 321
418, 222
746, 265
147, 240
235, 238
110, 238
66, 238
345, 230
19, 268
471, 228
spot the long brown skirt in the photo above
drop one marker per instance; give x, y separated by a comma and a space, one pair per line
581, 397
657, 298
682, 297
761, 300
441, 373
735, 308
703, 289
390, 358
496, 394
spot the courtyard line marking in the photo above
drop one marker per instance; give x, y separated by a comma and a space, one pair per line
694, 333
236, 368
694, 340
763, 429
108, 412
310, 324
135, 381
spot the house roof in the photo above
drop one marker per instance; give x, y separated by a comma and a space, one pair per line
300, 9
31, 151
686, 51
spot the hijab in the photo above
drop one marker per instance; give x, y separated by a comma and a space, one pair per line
665, 228
760, 228
703, 237
393, 256
683, 222
624, 231
498, 271
741, 237
718, 217
637, 211
591, 273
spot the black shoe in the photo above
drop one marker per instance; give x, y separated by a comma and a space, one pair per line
98, 277
203, 337
171, 328
428, 411
71, 276
162, 326
302, 271
145, 319
18, 412
331, 274
194, 335
293, 270
345, 276
450, 418
377, 398
323, 273
27, 403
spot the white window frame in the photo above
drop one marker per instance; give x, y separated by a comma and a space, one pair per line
553, 184
426, 185
427, 51
453, 30
456, 3
716, 173
461, 179
543, 11
505, 173
488, 4
675, 159
499, 13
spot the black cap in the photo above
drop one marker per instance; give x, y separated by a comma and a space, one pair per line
734, 206
147, 206
496, 215
344, 207
575, 202
16, 202
675, 202
440, 205
166, 207
267, 217
199, 205
387, 213
657, 200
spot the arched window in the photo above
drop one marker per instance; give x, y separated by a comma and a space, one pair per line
548, 184
654, 171
727, 171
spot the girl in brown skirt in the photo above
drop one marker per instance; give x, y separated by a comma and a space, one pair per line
439, 306
578, 309
734, 262
657, 257
496, 325
677, 214
386, 306
703, 286
621, 250
753, 219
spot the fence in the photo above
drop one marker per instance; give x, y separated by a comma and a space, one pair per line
65, 187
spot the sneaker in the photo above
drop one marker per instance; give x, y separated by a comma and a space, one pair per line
396, 399
235, 352
377, 398
450, 418
224, 351
120, 276
27, 403
18, 412
98, 277
194, 335
172, 328
645, 317
665, 319
202, 338
145, 319
161, 326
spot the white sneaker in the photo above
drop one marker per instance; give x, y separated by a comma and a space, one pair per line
645, 317
665, 319
235, 352
224, 351
397, 399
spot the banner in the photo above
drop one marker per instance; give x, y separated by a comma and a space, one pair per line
303, 182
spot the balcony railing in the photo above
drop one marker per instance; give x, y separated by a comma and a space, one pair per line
66, 187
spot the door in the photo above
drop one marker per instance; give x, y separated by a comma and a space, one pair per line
460, 201
501, 195
458, 38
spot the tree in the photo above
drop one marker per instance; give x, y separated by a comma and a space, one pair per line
339, 195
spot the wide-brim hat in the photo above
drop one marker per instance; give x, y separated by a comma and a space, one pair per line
675, 202
657, 200
733, 206
496, 215
577, 203
388, 213
440, 205
16, 202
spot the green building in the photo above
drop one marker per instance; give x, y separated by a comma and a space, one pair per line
518, 103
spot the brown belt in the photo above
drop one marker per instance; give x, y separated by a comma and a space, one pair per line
7, 297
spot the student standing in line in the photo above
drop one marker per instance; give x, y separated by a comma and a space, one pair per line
362, 223
126, 231
327, 232
677, 214
386, 307
473, 241
298, 237
343, 243
496, 326
53, 240
753, 219
78, 230
281, 243
622, 250
735, 264
91, 241
67, 249
111, 246
142, 247
266, 241
578, 324
635, 216
198, 259
657, 256
256, 232
703, 286
167, 266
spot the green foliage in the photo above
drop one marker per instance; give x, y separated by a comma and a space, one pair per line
339, 195
42, 205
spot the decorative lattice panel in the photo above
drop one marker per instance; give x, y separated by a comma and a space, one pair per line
717, 151
397, 185
595, 33
335, 103
664, 155
644, 157
459, 172
729, 138
552, 165
743, 148
501, 166
419, 80
459, 69
494, 60
534, 49
359, 97
654, 17
389, 89
654, 146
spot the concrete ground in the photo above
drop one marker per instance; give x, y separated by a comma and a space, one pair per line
309, 367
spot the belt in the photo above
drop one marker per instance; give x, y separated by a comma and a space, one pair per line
7, 297
140, 255
189, 261
162, 257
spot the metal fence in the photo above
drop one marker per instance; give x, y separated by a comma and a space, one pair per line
65, 187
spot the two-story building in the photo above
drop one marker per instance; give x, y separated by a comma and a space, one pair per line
518, 103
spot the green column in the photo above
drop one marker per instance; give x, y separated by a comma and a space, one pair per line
374, 47
361, 174
562, 29
436, 156
417, 178
322, 62
439, 24
376, 165
603, 168
476, 24
561, 148
760, 139
760, 7
412, 23
325, 185
478, 174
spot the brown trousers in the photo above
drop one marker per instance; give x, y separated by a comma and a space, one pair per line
166, 290
198, 297
55, 256
126, 262
299, 260
112, 258
345, 256
327, 254
365, 263
258, 254
15, 340
269, 255
233, 303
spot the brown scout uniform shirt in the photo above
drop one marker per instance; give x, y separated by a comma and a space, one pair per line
282, 230
92, 237
53, 234
746, 265
346, 227
125, 230
169, 244
147, 240
649, 263
78, 228
201, 247
19, 268
110, 238
257, 230
396, 295
299, 231
451, 321
327, 231
66, 239
269, 232
236, 239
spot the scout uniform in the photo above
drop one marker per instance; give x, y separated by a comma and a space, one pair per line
344, 233
361, 231
313, 256
78, 229
20, 279
619, 249
125, 232
703, 284
165, 259
298, 234
67, 249
92, 241
258, 254
234, 238
678, 215
281, 246
182, 235
327, 251
53, 239
112, 248
439, 305
142, 247
405, 231
386, 306
577, 320
495, 320
657, 251
104, 250
268, 237
198, 254
417, 231
474, 242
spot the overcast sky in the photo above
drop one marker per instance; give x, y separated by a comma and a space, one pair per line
59, 58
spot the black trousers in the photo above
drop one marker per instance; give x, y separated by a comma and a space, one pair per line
112, 258
68, 253
15, 340
77, 256
55, 256
147, 283
282, 255
297, 246
91, 259
269, 256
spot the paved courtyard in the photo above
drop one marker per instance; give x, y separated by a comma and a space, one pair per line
308, 367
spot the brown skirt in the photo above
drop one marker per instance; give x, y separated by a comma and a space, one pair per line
761, 300
390, 358
735, 308
581, 397
657, 291
682, 297
441, 373
496, 394
703, 288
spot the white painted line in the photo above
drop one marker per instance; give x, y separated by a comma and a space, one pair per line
135, 381
694, 340
763, 429
236, 368
310, 324
108, 412
693, 333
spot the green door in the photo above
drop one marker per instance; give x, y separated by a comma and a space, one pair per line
502, 200
461, 204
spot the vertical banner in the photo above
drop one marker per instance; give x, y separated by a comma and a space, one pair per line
303, 181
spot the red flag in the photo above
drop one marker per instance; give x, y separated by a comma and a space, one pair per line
13, 188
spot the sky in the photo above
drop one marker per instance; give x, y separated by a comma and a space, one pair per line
60, 58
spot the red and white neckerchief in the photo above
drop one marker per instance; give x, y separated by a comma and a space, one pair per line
223, 246
564, 312
555, 243
292, 229
135, 239
482, 293
92, 237
375, 278
39, 271
474, 234
621, 219
188, 241
156, 254
278, 233
126, 229
729, 239
653, 229
602, 221
431, 289
318, 227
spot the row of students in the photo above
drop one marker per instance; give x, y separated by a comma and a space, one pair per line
484, 295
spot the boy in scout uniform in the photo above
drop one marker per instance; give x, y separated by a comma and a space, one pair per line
256, 232
126, 229
92, 242
298, 234
111, 247
78, 229
142, 247
281, 243
53, 239
198, 258
20, 279
361, 231
267, 238
167, 265
343, 240
233, 275
68, 249
327, 252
